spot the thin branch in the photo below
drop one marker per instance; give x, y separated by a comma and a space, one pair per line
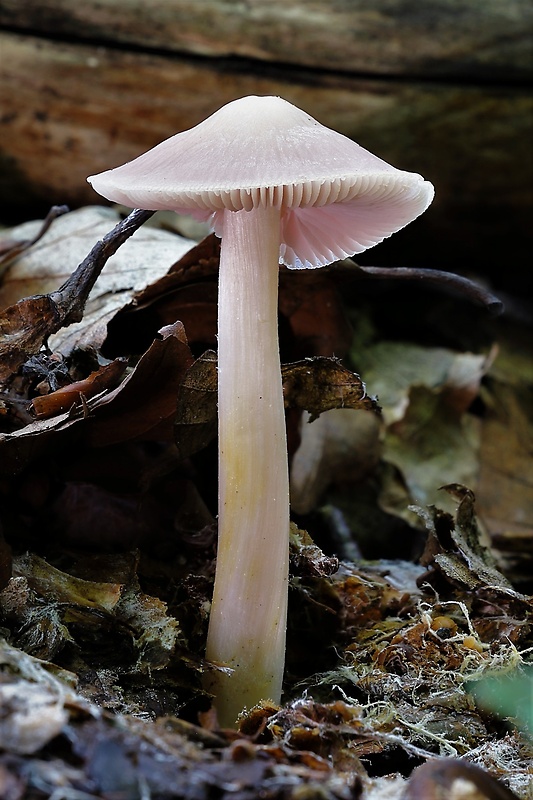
473, 291
71, 297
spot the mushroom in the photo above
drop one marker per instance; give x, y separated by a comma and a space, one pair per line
277, 187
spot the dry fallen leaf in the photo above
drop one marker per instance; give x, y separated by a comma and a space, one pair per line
144, 405
49, 263
505, 491
101, 380
342, 445
425, 394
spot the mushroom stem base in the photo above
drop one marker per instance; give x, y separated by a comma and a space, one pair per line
248, 615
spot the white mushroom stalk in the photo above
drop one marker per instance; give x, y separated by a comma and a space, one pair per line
249, 608
277, 186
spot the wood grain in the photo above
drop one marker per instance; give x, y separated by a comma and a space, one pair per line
461, 38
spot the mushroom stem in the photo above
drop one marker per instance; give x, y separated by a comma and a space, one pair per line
248, 615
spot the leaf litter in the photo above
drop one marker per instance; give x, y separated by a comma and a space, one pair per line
108, 503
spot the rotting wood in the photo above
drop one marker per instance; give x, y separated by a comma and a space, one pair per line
74, 110
451, 38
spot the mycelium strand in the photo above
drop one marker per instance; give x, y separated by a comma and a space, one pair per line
248, 615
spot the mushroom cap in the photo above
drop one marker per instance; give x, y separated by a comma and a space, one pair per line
336, 198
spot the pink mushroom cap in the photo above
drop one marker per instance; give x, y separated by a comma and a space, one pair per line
336, 199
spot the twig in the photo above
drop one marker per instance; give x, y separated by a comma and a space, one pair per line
26, 325
71, 297
465, 286
9, 250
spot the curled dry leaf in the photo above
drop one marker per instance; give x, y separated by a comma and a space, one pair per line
186, 292
101, 380
315, 384
456, 548
55, 292
53, 583
142, 406
189, 292
319, 384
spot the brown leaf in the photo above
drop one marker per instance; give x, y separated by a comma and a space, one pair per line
63, 399
315, 384
23, 329
312, 303
25, 326
53, 583
144, 405
187, 291
319, 384
196, 420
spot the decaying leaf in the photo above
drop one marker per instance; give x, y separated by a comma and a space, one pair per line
319, 384
90, 613
455, 547
144, 405
425, 394
186, 292
196, 419
26, 325
342, 445
158, 634
316, 384
57, 585
23, 329
52, 262
189, 292
101, 380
